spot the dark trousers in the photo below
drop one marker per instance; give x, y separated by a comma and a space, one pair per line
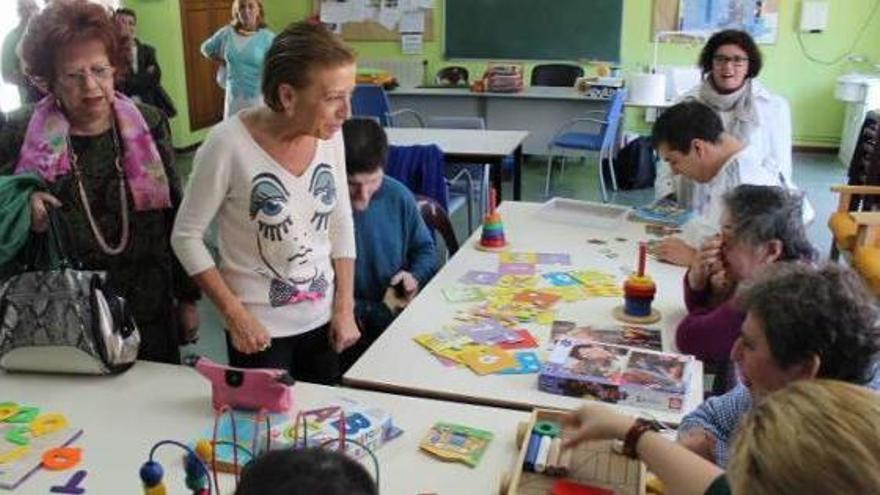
307, 356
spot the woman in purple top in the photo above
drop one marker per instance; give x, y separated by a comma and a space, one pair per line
760, 226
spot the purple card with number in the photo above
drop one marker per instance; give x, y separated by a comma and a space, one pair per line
554, 259
489, 332
474, 277
516, 269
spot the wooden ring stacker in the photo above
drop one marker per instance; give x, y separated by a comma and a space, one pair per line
61, 458
500, 249
654, 317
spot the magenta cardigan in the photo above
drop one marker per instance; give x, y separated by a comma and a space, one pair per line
708, 332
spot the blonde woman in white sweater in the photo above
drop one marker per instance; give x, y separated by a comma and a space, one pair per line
274, 177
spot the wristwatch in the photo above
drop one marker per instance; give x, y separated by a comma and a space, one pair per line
635, 432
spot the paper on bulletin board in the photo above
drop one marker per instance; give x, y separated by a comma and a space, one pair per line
364, 18
389, 18
407, 5
360, 10
336, 12
412, 22
411, 44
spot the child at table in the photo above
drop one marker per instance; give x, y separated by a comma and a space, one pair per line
288, 471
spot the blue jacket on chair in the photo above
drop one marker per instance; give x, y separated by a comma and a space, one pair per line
420, 168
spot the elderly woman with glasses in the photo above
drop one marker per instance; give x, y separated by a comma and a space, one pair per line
108, 169
760, 226
730, 62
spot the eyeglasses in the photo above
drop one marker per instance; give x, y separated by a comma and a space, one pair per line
737, 60
79, 78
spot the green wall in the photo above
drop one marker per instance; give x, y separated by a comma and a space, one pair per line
808, 86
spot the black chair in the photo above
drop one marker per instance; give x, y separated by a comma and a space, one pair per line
561, 75
452, 76
438, 221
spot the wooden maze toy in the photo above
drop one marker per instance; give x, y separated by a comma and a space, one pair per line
593, 464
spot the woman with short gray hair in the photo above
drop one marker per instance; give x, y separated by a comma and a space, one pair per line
802, 322
760, 226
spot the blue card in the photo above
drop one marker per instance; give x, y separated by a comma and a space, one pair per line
561, 279
528, 363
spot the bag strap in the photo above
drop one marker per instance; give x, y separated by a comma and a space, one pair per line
44, 250
59, 236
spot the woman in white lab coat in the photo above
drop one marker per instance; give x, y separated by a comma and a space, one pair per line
730, 62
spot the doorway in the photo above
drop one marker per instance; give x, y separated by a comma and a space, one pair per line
200, 19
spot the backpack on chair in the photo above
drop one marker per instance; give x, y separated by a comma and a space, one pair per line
636, 165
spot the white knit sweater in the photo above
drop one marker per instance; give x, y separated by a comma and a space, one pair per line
278, 233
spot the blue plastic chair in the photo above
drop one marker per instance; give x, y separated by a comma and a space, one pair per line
470, 181
604, 141
370, 100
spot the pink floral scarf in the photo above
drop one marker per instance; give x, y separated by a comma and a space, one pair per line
45, 152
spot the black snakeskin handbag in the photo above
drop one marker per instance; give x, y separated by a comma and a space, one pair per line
61, 319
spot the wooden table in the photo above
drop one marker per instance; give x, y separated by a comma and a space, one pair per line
124, 416
398, 364
470, 146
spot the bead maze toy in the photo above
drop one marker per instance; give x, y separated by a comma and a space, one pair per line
492, 237
242, 405
543, 467
638, 294
255, 391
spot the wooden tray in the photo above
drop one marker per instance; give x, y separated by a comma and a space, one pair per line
594, 463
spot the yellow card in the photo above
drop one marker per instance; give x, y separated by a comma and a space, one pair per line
545, 317
509, 257
455, 354
518, 281
572, 293
593, 277
488, 360
604, 291
445, 339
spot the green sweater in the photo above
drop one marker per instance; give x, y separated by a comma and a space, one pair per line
15, 216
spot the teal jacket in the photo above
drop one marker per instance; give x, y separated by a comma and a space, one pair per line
15, 216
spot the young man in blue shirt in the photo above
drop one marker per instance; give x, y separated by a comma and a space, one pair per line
396, 255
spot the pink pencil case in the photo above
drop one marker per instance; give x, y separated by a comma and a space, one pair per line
246, 388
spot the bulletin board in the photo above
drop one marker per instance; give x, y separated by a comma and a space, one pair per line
372, 30
759, 17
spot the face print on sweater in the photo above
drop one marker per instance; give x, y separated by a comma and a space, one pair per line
323, 189
284, 241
